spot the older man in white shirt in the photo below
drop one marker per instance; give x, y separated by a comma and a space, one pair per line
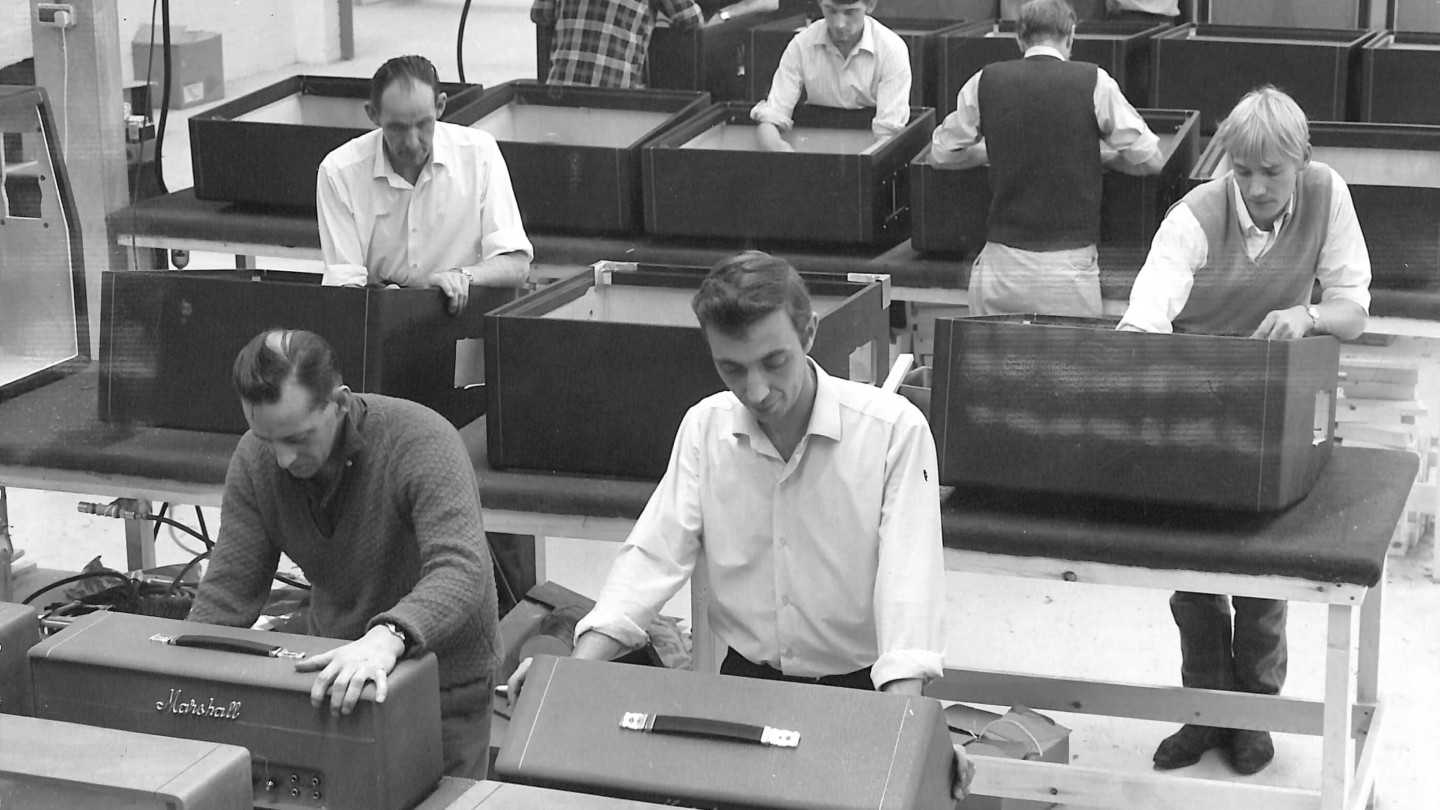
847, 60
417, 202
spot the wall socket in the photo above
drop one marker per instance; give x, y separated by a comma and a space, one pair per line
55, 15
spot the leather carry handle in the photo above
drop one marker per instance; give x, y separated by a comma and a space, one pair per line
224, 644
681, 726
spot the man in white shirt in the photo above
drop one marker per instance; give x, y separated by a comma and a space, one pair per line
847, 60
417, 202
1046, 126
813, 500
1240, 255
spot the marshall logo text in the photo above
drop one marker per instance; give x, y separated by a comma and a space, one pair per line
177, 704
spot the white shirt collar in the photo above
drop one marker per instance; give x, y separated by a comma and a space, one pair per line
1242, 211
1044, 50
824, 414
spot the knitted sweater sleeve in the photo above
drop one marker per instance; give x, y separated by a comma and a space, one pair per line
456, 578
237, 579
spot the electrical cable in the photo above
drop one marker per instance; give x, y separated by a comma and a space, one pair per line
292, 582
194, 561
460, 41
159, 519
76, 578
149, 105
164, 95
65, 90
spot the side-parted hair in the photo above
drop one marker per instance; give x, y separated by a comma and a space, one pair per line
1266, 120
746, 288
277, 355
414, 68
1044, 19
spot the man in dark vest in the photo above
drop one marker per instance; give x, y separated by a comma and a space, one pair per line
1240, 255
1047, 127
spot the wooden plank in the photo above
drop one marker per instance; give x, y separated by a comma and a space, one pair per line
1368, 746
613, 530
1379, 371
1174, 704
1377, 390
1336, 775
1367, 679
1080, 786
1287, 588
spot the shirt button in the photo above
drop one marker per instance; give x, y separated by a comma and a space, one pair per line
782, 540
789, 654
785, 600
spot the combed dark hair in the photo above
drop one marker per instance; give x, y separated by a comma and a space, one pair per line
277, 355
747, 287
1044, 19
416, 68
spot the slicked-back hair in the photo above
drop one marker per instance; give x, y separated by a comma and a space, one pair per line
1266, 121
1044, 19
411, 68
746, 288
277, 355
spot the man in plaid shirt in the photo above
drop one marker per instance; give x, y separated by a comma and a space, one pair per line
603, 43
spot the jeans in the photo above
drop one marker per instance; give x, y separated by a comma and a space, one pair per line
740, 666
1251, 657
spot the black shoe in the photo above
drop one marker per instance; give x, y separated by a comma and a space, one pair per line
1250, 751
1186, 746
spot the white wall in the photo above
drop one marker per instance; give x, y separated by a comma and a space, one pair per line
15, 32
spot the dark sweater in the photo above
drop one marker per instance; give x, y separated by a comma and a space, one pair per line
1043, 143
407, 546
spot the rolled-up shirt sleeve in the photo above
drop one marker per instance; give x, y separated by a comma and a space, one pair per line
785, 89
340, 244
1121, 126
892, 98
961, 129
660, 553
910, 577
501, 228
1344, 267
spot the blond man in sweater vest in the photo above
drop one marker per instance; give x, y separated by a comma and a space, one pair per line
1240, 255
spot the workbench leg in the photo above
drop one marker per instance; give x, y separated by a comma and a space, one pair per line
139, 536
1336, 773
1367, 683
7, 550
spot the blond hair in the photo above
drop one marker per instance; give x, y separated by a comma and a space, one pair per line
1265, 122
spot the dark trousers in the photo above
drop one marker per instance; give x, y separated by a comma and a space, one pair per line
740, 666
1246, 655
465, 714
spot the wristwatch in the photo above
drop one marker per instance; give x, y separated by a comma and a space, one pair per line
724, 16
397, 632
1314, 313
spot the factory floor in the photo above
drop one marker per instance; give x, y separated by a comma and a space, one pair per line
1085, 631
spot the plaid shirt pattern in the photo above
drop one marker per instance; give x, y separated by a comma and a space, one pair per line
603, 43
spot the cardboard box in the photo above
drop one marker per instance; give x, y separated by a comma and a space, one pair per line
197, 71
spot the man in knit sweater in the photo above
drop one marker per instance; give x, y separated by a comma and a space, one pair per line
1240, 255
1046, 126
376, 501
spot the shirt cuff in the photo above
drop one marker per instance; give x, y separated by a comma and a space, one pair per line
345, 275
898, 665
506, 240
764, 113
614, 625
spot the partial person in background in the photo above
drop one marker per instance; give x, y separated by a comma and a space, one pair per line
847, 60
1047, 127
604, 43
1241, 255
375, 499
418, 202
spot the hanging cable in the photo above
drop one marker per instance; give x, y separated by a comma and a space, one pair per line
460, 41
164, 95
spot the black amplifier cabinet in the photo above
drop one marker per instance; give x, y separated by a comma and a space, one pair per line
1399, 72
239, 687
49, 765
712, 741
44, 325
467, 794
708, 177
1393, 171
1070, 406
950, 208
19, 631
265, 148
713, 58
169, 339
593, 374
921, 36
1210, 67
574, 152
1121, 48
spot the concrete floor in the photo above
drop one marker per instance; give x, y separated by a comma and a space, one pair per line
1118, 634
